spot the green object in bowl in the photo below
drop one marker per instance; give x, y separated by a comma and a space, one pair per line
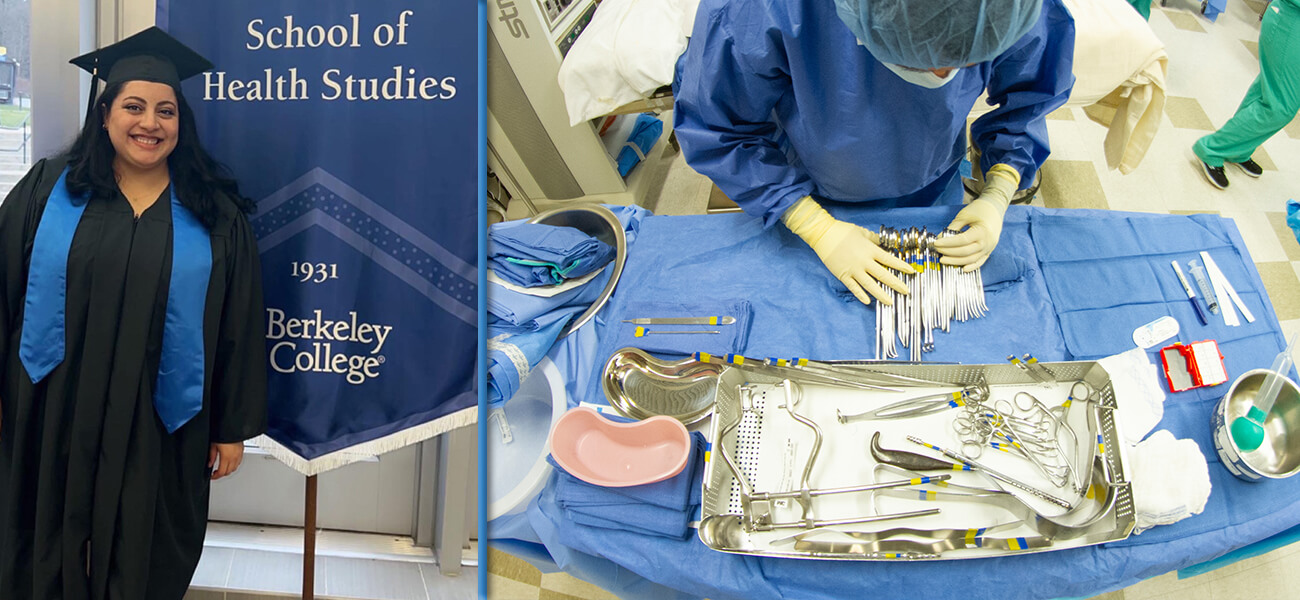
1248, 431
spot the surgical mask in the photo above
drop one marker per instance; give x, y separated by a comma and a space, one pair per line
925, 79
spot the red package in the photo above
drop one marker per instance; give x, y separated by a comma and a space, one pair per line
1192, 366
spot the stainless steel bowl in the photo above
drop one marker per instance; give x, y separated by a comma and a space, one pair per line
1279, 455
640, 386
598, 222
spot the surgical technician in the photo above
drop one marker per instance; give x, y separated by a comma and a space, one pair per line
786, 103
1270, 104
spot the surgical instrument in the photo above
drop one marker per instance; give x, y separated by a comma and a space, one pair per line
1033, 364
682, 321
642, 331
1053, 451
804, 495
755, 505
860, 368
959, 540
776, 369
994, 474
773, 448
1025, 428
867, 487
938, 294
1033, 368
1097, 503
907, 409
793, 394
911, 460
871, 536
814, 524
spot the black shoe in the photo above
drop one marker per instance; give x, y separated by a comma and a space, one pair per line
1250, 167
1216, 175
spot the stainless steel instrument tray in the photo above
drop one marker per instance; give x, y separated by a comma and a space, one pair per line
764, 452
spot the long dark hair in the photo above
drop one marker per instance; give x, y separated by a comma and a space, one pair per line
199, 180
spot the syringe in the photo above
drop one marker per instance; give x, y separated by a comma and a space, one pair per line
1203, 282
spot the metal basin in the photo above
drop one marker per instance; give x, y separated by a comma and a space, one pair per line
1279, 455
598, 222
641, 386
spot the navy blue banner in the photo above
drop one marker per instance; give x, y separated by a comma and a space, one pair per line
353, 123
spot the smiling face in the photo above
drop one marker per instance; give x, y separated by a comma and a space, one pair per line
143, 123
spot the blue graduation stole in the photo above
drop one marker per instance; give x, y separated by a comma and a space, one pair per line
178, 392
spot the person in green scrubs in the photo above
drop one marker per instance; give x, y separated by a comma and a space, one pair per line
1270, 104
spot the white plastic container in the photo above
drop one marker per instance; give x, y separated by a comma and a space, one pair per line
517, 447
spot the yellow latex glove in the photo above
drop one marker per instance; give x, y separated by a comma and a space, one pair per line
982, 219
851, 253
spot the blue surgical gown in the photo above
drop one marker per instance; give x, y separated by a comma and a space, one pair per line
776, 100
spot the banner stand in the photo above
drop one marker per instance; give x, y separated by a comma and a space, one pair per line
309, 542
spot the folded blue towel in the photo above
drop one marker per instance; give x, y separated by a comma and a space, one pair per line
512, 356
525, 310
533, 254
645, 132
730, 339
661, 509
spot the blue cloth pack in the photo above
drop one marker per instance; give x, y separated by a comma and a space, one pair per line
645, 132
533, 254
663, 509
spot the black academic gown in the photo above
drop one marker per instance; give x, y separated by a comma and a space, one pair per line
97, 500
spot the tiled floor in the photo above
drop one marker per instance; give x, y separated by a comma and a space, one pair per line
1211, 65
236, 574
510, 578
242, 562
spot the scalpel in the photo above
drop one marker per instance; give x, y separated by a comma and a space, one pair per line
683, 321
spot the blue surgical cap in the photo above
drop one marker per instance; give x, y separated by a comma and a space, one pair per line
935, 34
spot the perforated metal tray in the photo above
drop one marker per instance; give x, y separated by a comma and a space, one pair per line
769, 448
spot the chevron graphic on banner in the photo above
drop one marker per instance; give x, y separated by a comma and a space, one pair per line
322, 200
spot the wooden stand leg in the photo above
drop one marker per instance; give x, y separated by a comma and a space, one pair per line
309, 543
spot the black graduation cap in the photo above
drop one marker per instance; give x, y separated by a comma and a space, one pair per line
151, 55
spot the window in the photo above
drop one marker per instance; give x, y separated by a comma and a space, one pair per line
15, 91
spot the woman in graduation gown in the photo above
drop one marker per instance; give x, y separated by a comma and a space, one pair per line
131, 342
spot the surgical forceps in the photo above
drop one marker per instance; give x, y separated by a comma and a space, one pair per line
919, 406
783, 369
